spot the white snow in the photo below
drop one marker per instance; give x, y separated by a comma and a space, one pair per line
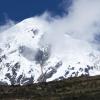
21, 35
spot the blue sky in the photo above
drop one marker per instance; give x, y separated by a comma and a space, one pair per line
18, 10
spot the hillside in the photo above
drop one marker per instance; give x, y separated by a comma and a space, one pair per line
81, 88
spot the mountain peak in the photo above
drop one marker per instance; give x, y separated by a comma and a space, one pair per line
26, 57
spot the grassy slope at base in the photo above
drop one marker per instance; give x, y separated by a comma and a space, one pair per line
82, 88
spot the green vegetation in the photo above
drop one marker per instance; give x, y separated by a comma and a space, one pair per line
82, 88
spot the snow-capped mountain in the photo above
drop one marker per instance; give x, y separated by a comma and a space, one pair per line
26, 58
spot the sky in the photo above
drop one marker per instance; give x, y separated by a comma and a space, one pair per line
19, 10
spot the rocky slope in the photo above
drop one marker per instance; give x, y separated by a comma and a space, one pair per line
81, 88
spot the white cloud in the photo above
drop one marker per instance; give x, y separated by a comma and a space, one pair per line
9, 23
72, 35
75, 32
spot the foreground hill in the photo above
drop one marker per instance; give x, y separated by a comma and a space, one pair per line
82, 88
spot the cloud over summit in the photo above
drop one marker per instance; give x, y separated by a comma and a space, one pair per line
77, 31
74, 34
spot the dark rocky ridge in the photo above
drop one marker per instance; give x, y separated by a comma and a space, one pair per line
82, 88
